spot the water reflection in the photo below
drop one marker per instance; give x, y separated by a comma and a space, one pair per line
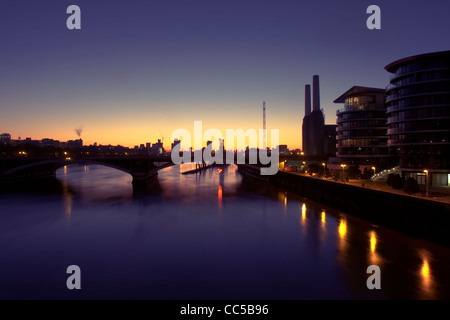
373, 241
323, 227
236, 237
374, 257
427, 283
303, 219
342, 227
219, 196
342, 244
68, 200
96, 183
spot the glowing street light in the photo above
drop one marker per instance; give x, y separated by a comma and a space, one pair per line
324, 167
426, 183
374, 170
343, 168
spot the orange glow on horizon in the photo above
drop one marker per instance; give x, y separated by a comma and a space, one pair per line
136, 132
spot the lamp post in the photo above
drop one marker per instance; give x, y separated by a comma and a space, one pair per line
324, 167
343, 168
373, 180
426, 183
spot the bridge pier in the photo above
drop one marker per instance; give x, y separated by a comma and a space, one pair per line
141, 179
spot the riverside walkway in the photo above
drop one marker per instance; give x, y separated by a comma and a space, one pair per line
441, 194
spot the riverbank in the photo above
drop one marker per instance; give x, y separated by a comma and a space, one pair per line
416, 216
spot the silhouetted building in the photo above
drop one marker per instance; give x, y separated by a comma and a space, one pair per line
175, 143
283, 149
330, 140
158, 147
361, 127
5, 138
418, 111
316, 136
46, 142
26, 141
74, 144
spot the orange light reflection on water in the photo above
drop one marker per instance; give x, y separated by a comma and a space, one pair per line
374, 257
219, 196
303, 214
427, 283
342, 228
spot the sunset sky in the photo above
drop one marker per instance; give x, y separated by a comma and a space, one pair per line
138, 68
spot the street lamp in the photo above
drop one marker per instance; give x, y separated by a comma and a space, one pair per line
426, 182
373, 168
324, 167
343, 168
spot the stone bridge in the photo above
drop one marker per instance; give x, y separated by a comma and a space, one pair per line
19, 169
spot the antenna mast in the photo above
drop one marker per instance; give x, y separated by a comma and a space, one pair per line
264, 125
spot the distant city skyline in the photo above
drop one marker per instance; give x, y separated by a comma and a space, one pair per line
138, 70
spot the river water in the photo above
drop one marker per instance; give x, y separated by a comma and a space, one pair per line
210, 235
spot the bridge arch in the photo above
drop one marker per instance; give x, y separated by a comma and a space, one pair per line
57, 164
141, 169
93, 162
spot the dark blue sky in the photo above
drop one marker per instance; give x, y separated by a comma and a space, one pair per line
137, 67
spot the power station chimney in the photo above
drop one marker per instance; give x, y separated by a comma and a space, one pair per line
307, 100
316, 93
